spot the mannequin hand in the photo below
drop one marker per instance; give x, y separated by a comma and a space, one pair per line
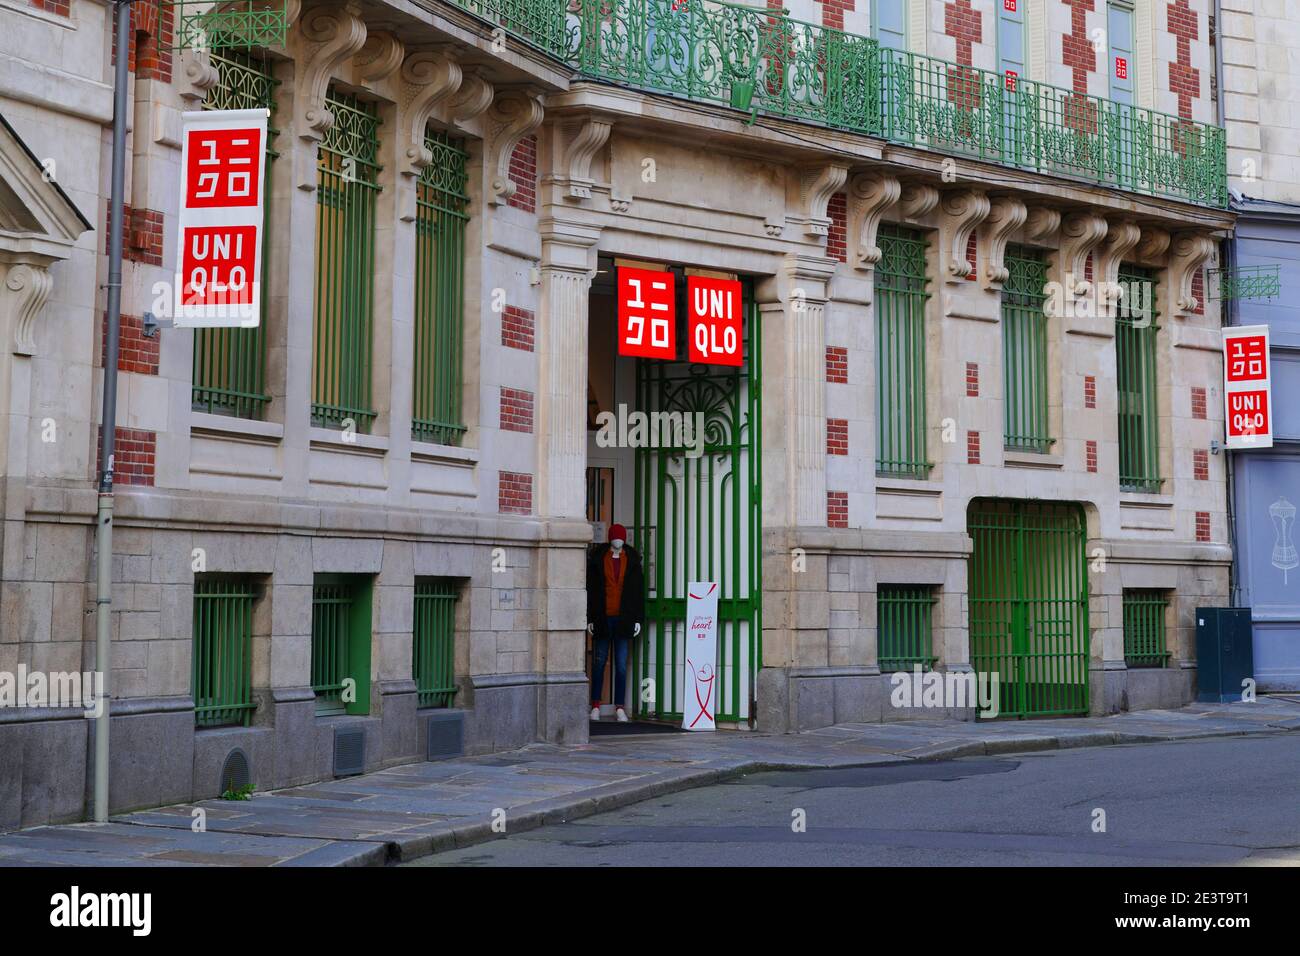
636, 630
591, 628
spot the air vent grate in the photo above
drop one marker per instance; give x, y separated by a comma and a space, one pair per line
349, 751
235, 772
445, 736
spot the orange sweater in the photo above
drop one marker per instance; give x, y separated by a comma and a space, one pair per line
615, 571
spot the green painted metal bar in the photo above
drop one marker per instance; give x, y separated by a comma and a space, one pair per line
1245, 282
904, 626
1144, 628
434, 641
330, 658
221, 668
1024, 351
205, 24
1136, 363
900, 296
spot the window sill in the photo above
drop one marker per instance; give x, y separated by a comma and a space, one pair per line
447, 454
226, 426
1019, 458
330, 439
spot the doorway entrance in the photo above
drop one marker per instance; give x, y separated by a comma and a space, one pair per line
1028, 594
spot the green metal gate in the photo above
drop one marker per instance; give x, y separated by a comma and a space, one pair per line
699, 519
1028, 594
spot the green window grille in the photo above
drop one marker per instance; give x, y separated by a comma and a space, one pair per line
441, 213
1136, 336
900, 353
904, 626
1144, 628
1024, 351
347, 188
221, 670
229, 364
340, 644
434, 641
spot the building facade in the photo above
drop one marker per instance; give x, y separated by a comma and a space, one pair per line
970, 432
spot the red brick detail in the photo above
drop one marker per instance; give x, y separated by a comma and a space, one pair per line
149, 55
1198, 401
1091, 449
1198, 291
972, 448
142, 235
523, 173
837, 365
1202, 526
965, 25
972, 380
1184, 79
515, 493
837, 436
517, 328
1076, 47
51, 6
135, 353
837, 242
833, 12
1087, 268
133, 456
1089, 391
837, 509
972, 256
516, 410
1201, 464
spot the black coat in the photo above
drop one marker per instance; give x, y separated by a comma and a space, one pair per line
632, 606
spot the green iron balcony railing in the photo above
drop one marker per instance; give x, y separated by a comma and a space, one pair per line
767, 63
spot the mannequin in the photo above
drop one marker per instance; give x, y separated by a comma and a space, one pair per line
615, 610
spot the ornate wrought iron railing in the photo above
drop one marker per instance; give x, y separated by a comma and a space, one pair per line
767, 63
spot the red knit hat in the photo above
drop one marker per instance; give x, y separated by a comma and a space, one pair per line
617, 531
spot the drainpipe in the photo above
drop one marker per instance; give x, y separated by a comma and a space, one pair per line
108, 428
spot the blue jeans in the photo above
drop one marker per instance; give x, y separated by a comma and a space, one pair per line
600, 654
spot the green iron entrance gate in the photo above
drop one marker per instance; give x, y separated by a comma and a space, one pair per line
699, 519
1028, 594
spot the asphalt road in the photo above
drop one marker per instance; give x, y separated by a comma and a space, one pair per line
1230, 801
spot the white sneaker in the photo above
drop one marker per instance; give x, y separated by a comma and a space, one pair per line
595, 713
621, 715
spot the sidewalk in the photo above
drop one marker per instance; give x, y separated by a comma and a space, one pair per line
406, 812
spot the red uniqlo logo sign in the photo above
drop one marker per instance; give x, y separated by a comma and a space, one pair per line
222, 167
647, 320
1121, 68
1247, 358
1009, 5
715, 321
1011, 80
217, 265
1248, 413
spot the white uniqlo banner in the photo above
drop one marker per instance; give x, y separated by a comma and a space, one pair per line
700, 668
219, 255
1247, 387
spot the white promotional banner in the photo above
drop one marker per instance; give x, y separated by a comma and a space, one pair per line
1247, 387
700, 669
219, 252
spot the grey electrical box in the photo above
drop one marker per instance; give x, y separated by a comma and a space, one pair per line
1224, 653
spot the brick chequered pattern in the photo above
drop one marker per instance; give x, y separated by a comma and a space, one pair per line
972, 380
1202, 526
523, 173
1198, 291
515, 493
837, 436
837, 245
1092, 455
837, 509
516, 410
517, 327
1076, 46
51, 6
833, 14
972, 448
837, 365
1089, 391
149, 55
142, 235
1184, 79
135, 353
1201, 464
1198, 401
133, 456
963, 24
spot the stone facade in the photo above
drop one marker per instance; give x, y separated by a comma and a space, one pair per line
557, 178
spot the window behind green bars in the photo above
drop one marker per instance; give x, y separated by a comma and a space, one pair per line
434, 641
903, 626
1024, 351
1144, 628
346, 192
1136, 334
221, 671
229, 364
340, 644
900, 353
441, 213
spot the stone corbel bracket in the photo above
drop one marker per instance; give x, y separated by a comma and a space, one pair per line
1006, 215
379, 58
1121, 237
1188, 252
1041, 224
582, 142
1080, 234
918, 200
870, 194
816, 187
1153, 244
333, 35
515, 113
197, 76
428, 79
474, 98
963, 211
28, 288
